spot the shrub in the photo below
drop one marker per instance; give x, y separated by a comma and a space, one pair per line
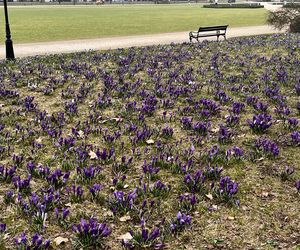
286, 17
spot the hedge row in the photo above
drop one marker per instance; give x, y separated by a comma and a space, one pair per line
235, 5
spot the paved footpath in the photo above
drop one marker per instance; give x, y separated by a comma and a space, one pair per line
31, 49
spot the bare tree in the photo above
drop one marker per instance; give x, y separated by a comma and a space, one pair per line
286, 16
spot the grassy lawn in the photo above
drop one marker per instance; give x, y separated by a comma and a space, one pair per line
37, 24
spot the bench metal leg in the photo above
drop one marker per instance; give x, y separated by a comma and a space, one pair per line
225, 37
217, 38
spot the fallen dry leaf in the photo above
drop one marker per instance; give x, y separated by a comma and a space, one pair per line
209, 196
150, 141
116, 119
81, 134
39, 140
6, 236
93, 155
59, 240
126, 237
215, 130
125, 218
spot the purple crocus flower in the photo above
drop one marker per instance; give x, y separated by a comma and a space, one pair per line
292, 123
297, 185
21, 240
2, 228
295, 136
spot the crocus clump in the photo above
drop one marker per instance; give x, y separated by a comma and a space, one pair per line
292, 123
144, 238
6, 174
95, 191
226, 190
232, 120
87, 174
286, 173
213, 172
201, 128
22, 185
121, 202
58, 178
260, 123
150, 170
187, 202
195, 183
266, 147
39, 218
235, 153
160, 189
167, 132
225, 134
90, 233
37, 242
295, 137
62, 216
181, 222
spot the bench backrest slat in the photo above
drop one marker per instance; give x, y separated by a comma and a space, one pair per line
213, 28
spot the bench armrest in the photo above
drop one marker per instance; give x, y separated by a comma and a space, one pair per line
194, 33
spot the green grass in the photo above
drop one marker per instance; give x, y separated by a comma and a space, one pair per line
44, 23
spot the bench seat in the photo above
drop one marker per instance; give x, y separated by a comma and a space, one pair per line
205, 32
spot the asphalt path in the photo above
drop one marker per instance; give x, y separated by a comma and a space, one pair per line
56, 47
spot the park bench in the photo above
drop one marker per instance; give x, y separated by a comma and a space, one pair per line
209, 31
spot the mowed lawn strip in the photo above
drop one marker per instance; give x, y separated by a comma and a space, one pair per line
41, 24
